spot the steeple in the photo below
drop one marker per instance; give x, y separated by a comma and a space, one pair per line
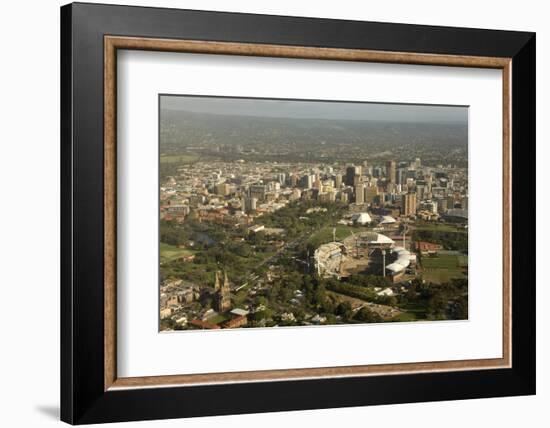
222, 299
225, 280
217, 282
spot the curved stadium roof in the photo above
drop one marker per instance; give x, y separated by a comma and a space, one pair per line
402, 262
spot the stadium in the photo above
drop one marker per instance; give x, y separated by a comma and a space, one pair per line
366, 252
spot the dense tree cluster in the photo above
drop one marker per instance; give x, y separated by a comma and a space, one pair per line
441, 301
457, 241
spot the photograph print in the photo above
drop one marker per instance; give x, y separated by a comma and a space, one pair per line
281, 212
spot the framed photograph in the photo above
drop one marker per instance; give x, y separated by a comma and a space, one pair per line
291, 213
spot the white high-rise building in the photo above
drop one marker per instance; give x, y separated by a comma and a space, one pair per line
360, 193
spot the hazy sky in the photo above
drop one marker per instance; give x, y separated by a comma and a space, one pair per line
316, 109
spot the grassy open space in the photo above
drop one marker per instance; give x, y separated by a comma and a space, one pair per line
186, 158
338, 298
218, 319
324, 235
171, 252
438, 227
412, 312
240, 297
443, 267
462, 261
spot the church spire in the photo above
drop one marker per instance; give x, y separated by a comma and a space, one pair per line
222, 298
225, 280
217, 282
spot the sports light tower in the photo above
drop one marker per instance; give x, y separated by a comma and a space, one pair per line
356, 243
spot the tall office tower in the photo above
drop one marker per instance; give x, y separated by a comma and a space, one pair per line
317, 183
408, 204
417, 163
250, 204
343, 197
293, 180
360, 194
281, 178
223, 189
381, 199
412, 173
358, 179
257, 191
359, 170
464, 203
338, 180
350, 175
390, 188
450, 202
429, 206
421, 190
306, 182
442, 205
400, 176
371, 192
314, 178
390, 171
365, 164
429, 180
327, 186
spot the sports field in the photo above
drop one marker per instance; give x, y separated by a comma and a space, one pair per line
443, 267
324, 235
171, 252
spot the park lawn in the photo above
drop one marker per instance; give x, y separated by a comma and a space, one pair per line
463, 261
441, 261
186, 158
412, 312
248, 264
438, 227
203, 273
240, 296
260, 256
442, 268
339, 297
406, 317
171, 252
218, 319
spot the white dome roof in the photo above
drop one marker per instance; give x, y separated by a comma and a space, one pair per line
386, 219
361, 218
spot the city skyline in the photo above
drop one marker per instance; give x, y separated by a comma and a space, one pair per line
271, 222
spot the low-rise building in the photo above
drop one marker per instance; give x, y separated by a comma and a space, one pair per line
165, 313
238, 321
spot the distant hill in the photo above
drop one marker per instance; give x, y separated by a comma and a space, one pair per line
237, 136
